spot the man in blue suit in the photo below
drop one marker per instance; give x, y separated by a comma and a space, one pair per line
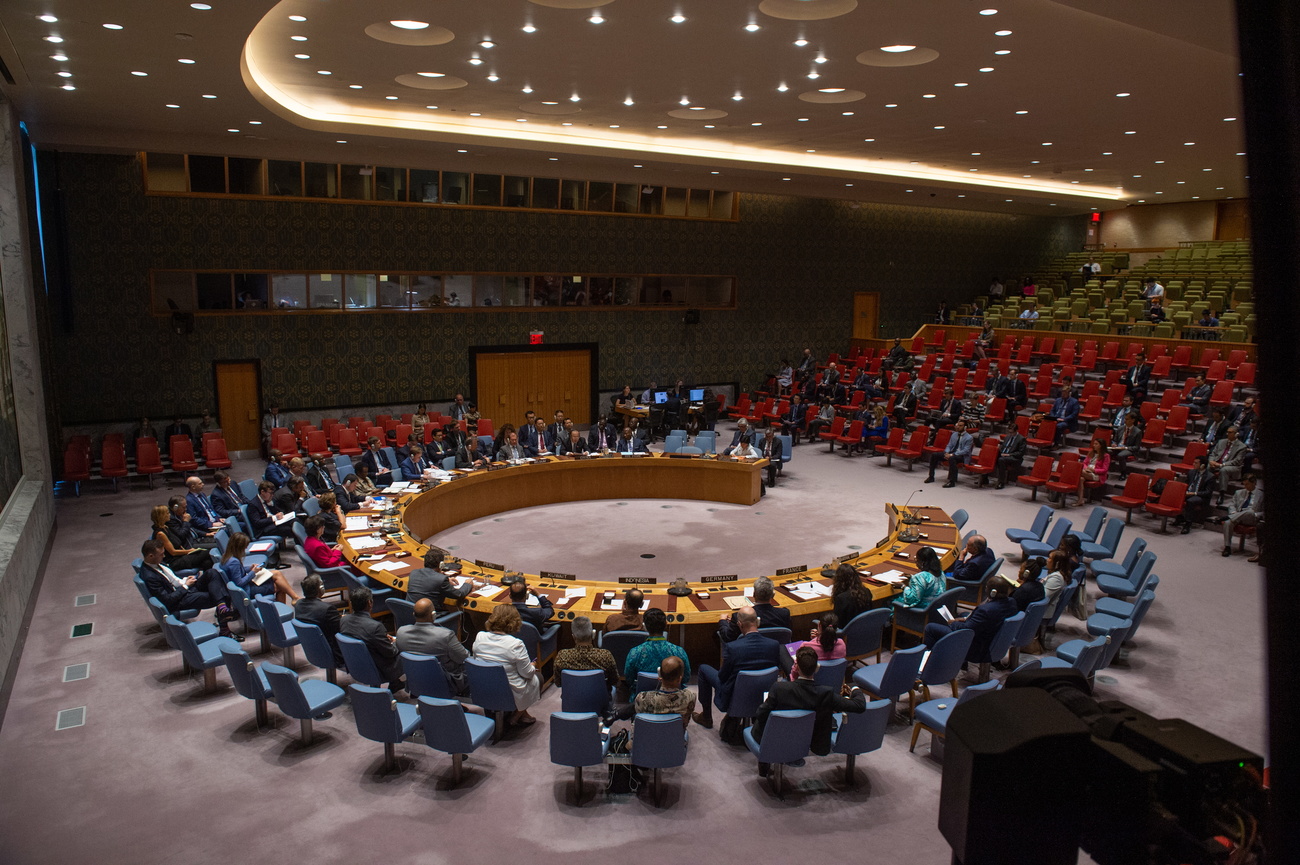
374, 458
957, 452
203, 515
413, 466
537, 440
226, 496
973, 561
1065, 411
750, 651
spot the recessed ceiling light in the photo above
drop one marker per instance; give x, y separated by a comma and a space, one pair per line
801, 42
171, 105
431, 107
323, 72
961, 84
891, 104
868, 139
831, 90
1207, 169
975, 153
1189, 143
1026, 175
1160, 162
550, 103
59, 57
48, 19
814, 75
493, 77
340, 141
1131, 132
407, 24
1001, 52
298, 38
254, 123
69, 87
785, 178
1001, 32
908, 190
570, 124
232, 130
696, 108
64, 74
941, 127
638, 166
752, 27
1087, 169
846, 113
1122, 95
187, 61
1008, 199
521, 120
596, 18
927, 96
709, 126
1229, 119
1047, 144
391, 98
661, 127
715, 172
553, 158
803, 119
781, 88
1181, 182
527, 88
820, 58
683, 101
628, 101
1241, 154
810, 151
528, 28
354, 86
476, 61
138, 74
756, 123
297, 17
1033, 162
209, 96
988, 11
986, 68
302, 56
202, 7
736, 97
1219, 188
432, 74
679, 18
1107, 153
897, 49
487, 43
112, 26
55, 39
1137, 175
1022, 111
575, 98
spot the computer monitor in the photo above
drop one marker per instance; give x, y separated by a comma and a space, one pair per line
661, 396
697, 394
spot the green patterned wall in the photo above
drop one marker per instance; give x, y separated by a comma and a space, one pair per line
798, 262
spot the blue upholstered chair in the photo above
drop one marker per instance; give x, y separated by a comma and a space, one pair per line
576, 742
831, 673
425, 676
646, 681
912, 620
307, 700
249, 681
1036, 529
356, 657
781, 635
489, 689
1092, 529
205, 656
452, 730
959, 518
1060, 528
1086, 660
1028, 632
860, 733
1124, 568
865, 635
1001, 644
1124, 587
933, 715
787, 735
380, 718
584, 691
619, 643
277, 620
334, 578
747, 695
1107, 545
892, 680
945, 661
317, 649
658, 742
403, 611
242, 602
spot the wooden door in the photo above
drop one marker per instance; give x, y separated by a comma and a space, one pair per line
238, 386
866, 314
512, 382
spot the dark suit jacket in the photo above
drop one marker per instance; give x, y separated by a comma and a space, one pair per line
807, 694
194, 503
1013, 447
434, 585
464, 459
226, 503
323, 615
175, 430
378, 464
276, 474
973, 569
637, 447
750, 651
985, 622
768, 617
593, 437
412, 472
318, 480
1019, 393
348, 501
375, 636
571, 448
286, 500
161, 587
539, 617
260, 518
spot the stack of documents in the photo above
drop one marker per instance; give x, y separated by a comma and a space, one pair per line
892, 577
810, 591
365, 543
357, 524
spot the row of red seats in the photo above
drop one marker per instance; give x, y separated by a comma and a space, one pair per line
77, 457
349, 438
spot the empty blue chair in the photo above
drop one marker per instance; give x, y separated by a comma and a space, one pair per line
1107, 545
831, 673
403, 611
1123, 609
249, 488
205, 656
343, 466
307, 700
1092, 528
1001, 644
619, 643
200, 631
673, 444
1123, 587
316, 647
912, 620
860, 733
945, 661
277, 620
391, 455
781, 635
933, 715
449, 463
311, 507
1124, 568
892, 680
959, 518
1028, 632
787, 734
452, 730
249, 681
1101, 623
1085, 660
690, 449
787, 451
584, 691
865, 635
242, 602
542, 645
658, 742
1036, 529
1060, 528
489, 689
1071, 651
1031, 664
576, 742
425, 676
747, 695
356, 659
380, 718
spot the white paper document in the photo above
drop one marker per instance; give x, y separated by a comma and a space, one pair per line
365, 543
388, 566
810, 591
947, 616
357, 524
893, 577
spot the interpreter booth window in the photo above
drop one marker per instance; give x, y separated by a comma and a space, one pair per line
600, 196
289, 291
650, 200
321, 179
659, 290
358, 182
573, 195
207, 173
547, 290
424, 185
458, 290
325, 290
213, 290
487, 291
709, 291
390, 184
546, 192
600, 291
244, 176
487, 190
284, 178
425, 291
454, 184
361, 290
573, 291
625, 197
627, 290
166, 172
173, 292
392, 292
252, 290
516, 191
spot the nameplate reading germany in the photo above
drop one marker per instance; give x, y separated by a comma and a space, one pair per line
552, 575
725, 578
491, 566
637, 580
795, 570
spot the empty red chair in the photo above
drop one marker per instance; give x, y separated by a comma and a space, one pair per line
1245, 375
404, 431
855, 402
348, 445
1170, 398
918, 345
1208, 356
781, 410
76, 466
358, 423
832, 434
1161, 369
1042, 388
378, 433
1109, 354
940, 443
299, 426
1176, 423
112, 463
1217, 372
1193, 450
1039, 475
1154, 436
1091, 410
1222, 395
1170, 503
182, 455
216, 456
996, 412
1133, 496
1182, 359
1044, 437
286, 444
891, 444
485, 426
1046, 348
1156, 351
740, 408
1114, 397
381, 419
851, 438
147, 460
1088, 360
1068, 482
1102, 434
938, 336
1112, 378
172, 440
1024, 353
1235, 358
914, 449
985, 462
1148, 411
317, 446
900, 381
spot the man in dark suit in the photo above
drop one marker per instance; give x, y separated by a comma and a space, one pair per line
375, 459
456, 411
750, 651
438, 449
957, 452
431, 583
805, 693
413, 466
426, 637
348, 497
603, 436
769, 615
289, 498
572, 445
973, 561
468, 455
175, 429
226, 496
317, 478
1011, 454
742, 430
794, 421
629, 444
1136, 378
262, 512
203, 515
537, 441
1215, 427
1017, 392
556, 430
511, 449
772, 449
275, 472
1200, 491
200, 592
539, 614
1065, 411
322, 614
383, 647
948, 412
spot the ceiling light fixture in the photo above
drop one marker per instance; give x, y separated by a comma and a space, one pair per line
59, 57
756, 123
202, 7
431, 107
187, 61
868, 139
487, 43
752, 27
803, 119
1189, 143
820, 58
596, 18
69, 87
209, 96
891, 104
988, 11
628, 101
782, 87
55, 39
138, 74
814, 75
323, 72
297, 17
1131, 132
897, 49
476, 61
1022, 111
846, 113
940, 127
679, 18
112, 26
986, 68
1000, 53
1001, 32
431, 74
961, 84
408, 24
254, 123
493, 77
736, 97
527, 89
575, 98
1229, 119
232, 130
528, 28
683, 101
298, 38
354, 86
302, 56
171, 105
64, 74
48, 19
391, 98
800, 42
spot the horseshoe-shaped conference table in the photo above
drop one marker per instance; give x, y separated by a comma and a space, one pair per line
429, 510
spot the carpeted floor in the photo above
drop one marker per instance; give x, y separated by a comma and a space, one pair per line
162, 773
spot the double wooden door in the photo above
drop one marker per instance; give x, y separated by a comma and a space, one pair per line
512, 382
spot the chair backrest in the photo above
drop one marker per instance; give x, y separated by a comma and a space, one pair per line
425, 676
901, 673
619, 643
1135, 487
278, 631
749, 689
658, 741
489, 687
781, 635
242, 601
1060, 529
358, 661
248, 488
1034, 614
315, 646
947, 657
1041, 520
375, 712
1174, 494
787, 736
575, 739
1093, 527
959, 518
1090, 655
249, 682
863, 732
445, 727
864, 634
403, 611
146, 453
831, 673
1117, 638
583, 691
288, 692
1005, 636
1109, 540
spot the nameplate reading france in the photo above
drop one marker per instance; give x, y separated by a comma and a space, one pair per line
784, 572
637, 580
552, 575
725, 578
491, 566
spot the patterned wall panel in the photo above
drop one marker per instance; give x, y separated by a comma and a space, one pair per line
798, 262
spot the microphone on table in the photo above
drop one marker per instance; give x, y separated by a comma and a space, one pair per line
909, 534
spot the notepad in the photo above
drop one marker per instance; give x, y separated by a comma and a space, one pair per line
388, 566
284, 518
737, 601
809, 591
574, 592
947, 616
365, 543
358, 524
892, 577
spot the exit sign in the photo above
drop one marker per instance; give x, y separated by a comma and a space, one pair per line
535, 337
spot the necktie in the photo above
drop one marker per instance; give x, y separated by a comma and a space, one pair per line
1246, 504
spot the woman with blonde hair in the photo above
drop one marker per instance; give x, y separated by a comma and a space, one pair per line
177, 555
497, 643
235, 571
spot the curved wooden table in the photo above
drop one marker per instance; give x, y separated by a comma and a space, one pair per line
428, 512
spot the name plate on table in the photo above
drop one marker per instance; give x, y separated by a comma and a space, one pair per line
725, 578
844, 558
638, 580
797, 569
491, 566
552, 575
